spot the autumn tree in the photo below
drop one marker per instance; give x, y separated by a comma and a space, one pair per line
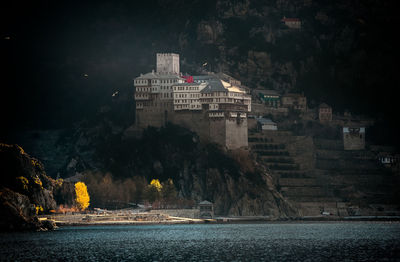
82, 196
153, 190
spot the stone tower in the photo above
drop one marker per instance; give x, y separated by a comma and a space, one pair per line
168, 63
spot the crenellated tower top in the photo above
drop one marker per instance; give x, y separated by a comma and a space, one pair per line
168, 63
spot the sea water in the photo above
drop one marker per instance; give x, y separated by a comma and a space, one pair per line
339, 241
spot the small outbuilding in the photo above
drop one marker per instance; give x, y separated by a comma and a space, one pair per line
353, 138
270, 98
206, 209
388, 159
266, 124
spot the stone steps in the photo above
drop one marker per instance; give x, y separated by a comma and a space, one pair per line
316, 208
363, 154
272, 152
278, 159
310, 191
267, 146
298, 182
292, 174
356, 172
281, 166
338, 181
341, 165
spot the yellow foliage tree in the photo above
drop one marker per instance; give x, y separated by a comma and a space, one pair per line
156, 183
153, 191
82, 196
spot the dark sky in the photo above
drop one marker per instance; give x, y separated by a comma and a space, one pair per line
48, 48
63, 59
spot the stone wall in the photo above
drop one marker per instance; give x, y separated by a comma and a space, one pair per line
252, 123
217, 130
236, 133
155, 115
196, 121
227, 132
189, 213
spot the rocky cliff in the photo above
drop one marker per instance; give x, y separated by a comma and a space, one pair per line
232, 180
25, 190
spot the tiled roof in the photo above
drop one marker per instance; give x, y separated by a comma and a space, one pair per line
154, 75
214, 85
151, 75
267, 92
204, 77
265, 121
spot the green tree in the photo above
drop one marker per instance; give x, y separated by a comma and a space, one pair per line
168, 191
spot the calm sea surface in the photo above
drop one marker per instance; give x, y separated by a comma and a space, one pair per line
353, 241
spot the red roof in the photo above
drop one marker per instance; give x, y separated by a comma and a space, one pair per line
188, 79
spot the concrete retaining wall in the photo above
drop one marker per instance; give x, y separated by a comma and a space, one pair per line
189, 213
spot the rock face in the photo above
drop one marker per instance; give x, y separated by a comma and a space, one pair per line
199, 171
17, 212
25, 190
233, 181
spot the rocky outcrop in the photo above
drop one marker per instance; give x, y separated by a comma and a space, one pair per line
233, 181
25, 190
209, 31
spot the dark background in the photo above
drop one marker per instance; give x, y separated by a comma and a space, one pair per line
62, 60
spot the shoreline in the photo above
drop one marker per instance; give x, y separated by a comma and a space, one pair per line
228, 220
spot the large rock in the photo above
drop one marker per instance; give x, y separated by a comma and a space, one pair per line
16, 212
25, 190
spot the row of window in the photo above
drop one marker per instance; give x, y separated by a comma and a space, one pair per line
141, 81
156, 81
219, 114
142, 89
180, 95
164, 81
192, 88
186, 106
177, 101
142, 95
166, 95
153, 104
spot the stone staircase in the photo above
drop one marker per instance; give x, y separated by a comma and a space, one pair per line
319, 176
